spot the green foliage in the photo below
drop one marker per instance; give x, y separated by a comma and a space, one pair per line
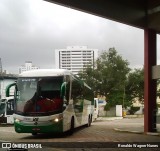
111, 76
108, 76
107, 107
135, 85
158, 105
133, 110
158, 88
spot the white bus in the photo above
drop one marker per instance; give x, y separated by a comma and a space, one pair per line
7, 110
51, 100
96, 108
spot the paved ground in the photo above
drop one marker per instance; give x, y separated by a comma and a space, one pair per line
104, 134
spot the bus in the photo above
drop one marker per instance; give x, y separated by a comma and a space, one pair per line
51, 100
96, 108
7, 110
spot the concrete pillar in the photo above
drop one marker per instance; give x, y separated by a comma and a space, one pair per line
150, 86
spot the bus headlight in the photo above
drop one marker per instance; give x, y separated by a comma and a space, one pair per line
17, 120
56, 119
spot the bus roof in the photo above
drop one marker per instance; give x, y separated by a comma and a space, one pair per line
49, 73
45, 72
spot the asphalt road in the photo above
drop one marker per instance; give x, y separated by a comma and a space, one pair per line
100, 136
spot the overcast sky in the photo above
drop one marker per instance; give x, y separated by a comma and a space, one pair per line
30, 30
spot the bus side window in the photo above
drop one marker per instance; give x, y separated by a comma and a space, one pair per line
77, 96
10, 107
67, 92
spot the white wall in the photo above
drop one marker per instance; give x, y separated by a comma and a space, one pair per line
119, 110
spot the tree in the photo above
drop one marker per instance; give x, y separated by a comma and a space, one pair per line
135, 86
108, 77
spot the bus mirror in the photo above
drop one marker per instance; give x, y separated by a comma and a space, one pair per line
63, 89
8, 89
64, 106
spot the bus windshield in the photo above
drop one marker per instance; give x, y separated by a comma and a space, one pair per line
38, 95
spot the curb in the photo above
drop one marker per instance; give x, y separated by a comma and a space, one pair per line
138, 132
109, 118
153, 134
134, 116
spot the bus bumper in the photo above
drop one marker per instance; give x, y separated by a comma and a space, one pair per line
23, 128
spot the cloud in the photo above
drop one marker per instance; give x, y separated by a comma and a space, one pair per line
32, 30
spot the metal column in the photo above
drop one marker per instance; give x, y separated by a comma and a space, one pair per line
150, 86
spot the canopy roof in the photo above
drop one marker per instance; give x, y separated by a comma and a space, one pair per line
138, 13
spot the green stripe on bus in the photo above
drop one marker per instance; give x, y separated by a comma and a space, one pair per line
55, 127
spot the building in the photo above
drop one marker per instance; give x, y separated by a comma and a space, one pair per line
75, 58
28, 66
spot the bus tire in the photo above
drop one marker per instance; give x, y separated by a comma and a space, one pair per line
34, 133
89, 121
71, 131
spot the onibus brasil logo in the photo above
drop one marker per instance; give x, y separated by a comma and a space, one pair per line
21, 145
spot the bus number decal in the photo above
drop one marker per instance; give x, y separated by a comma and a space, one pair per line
35, 119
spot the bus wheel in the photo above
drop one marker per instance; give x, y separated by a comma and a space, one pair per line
89, 121
71, 131
34, 133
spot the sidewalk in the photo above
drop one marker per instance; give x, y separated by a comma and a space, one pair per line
137, 129
108, 118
